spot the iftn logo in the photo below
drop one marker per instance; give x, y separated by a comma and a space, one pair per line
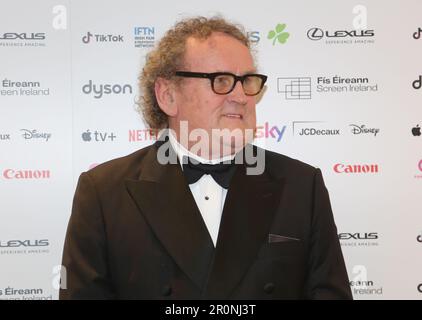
144, 37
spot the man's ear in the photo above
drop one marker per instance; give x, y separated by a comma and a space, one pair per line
165, 94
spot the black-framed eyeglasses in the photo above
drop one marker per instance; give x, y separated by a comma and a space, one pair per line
224, 82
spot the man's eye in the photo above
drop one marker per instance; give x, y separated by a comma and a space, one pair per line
223, 80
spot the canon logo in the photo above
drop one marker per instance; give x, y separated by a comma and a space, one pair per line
357, 168
358, 236
26, 174
24, 243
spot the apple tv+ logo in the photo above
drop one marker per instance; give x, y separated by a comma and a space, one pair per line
98, 136
416, 131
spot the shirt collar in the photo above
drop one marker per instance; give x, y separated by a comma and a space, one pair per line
181, 152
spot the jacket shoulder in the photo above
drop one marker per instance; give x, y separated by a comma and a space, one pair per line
127, 167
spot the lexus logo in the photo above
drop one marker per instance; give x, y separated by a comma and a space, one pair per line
358, 236
22, 36
318, 34
315, 34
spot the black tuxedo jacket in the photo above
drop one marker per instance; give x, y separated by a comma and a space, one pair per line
135, 232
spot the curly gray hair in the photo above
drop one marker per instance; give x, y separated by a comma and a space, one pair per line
168, 56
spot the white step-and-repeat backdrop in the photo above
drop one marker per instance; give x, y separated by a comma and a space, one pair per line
344, 94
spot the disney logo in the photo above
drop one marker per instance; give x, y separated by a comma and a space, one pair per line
34, 134
362, 129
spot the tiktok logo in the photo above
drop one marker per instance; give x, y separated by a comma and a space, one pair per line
417, 34
87, 38
417, 84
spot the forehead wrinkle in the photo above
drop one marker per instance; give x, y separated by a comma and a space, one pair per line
210, 47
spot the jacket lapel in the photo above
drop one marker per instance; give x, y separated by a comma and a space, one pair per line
247, 216
164, 198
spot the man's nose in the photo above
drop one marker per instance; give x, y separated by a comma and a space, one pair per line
238, 94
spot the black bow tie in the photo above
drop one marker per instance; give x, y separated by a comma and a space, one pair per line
221, 172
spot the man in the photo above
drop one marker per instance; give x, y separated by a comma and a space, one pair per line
171, 221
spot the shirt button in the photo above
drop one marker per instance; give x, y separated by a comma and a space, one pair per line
207, 198
269, 287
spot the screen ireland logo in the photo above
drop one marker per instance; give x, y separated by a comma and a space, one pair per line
361, 285
300, 88
337, 84
278, 35
22, 88
295, 88
12, 293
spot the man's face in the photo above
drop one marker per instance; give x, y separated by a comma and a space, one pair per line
196, 101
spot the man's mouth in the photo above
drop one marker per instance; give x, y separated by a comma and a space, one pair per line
234, 116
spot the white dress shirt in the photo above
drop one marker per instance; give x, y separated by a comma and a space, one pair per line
208, 194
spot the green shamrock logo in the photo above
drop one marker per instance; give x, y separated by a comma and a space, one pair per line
278, 34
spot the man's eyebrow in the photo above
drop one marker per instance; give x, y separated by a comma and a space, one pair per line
243, 73
251, 71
